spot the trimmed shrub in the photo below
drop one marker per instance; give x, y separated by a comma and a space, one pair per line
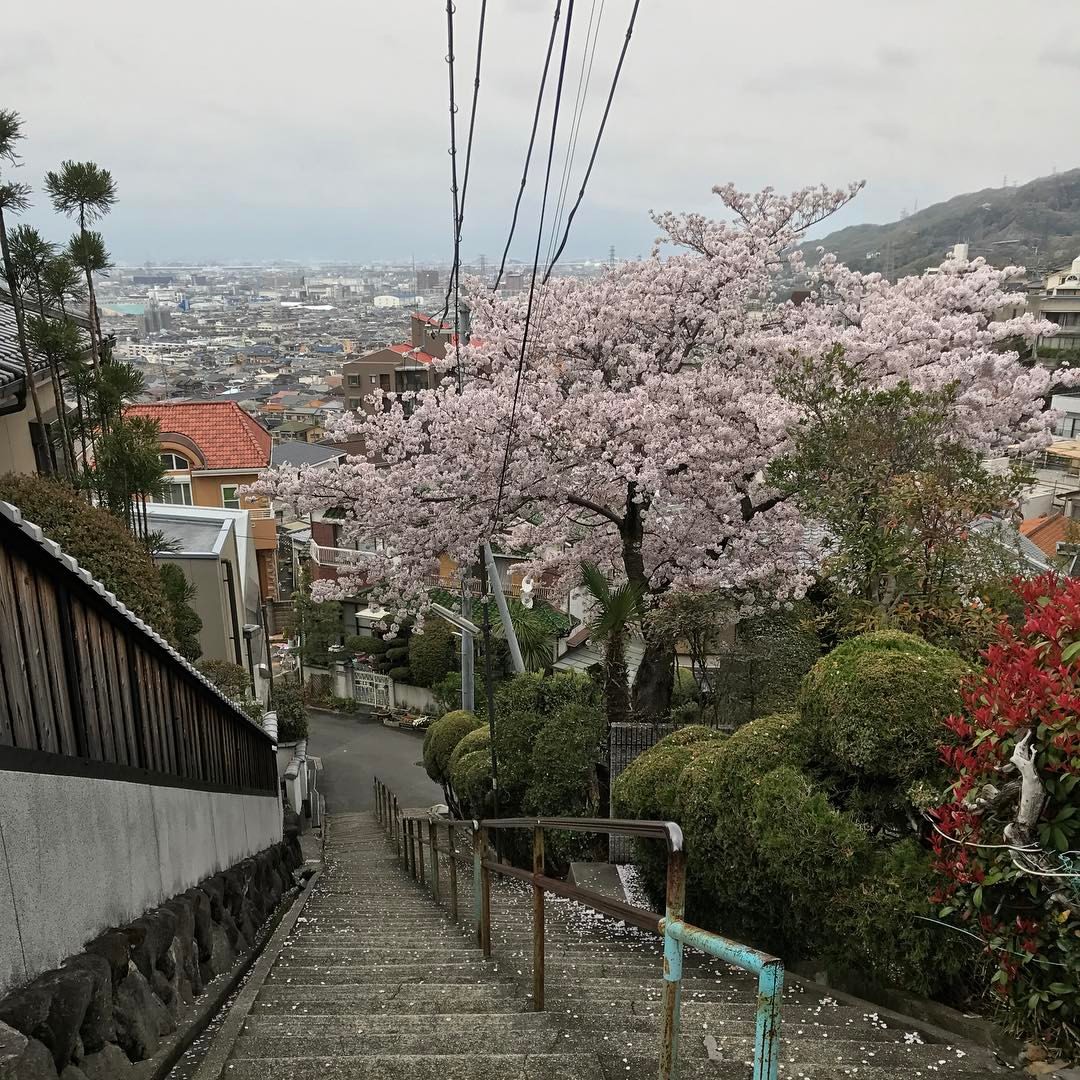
646, 787
432, 654
470, 776
99, 542
366, 643
398, 652
477, 739
447, 693
873, 711
287, 701
401, 674
441, 739
231, 679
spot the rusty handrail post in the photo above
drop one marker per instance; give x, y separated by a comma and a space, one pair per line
411, 847
477, 886
485, 898
767, 1027
422, 876
673, 958
538, 920
375, 795
433, 839
395, 826
452, 870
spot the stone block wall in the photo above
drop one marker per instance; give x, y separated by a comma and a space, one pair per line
112, 1004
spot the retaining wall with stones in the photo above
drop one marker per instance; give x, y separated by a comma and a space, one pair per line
112, 1004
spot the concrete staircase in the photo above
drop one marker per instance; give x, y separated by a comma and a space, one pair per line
376, 982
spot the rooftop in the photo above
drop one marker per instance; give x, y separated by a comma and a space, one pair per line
227, 437
1046, 532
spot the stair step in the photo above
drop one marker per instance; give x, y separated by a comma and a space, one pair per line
425, 1067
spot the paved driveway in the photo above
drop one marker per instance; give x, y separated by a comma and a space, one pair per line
353, 750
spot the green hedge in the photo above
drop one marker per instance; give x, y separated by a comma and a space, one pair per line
873, 711
398, 652
441, 739
287, 701
432, 654
99, 542
798, 825
366, 643
401, 674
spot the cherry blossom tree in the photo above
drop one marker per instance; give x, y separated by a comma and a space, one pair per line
647, 412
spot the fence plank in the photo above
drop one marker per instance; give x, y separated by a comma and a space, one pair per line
85, 677
106, 728
19, 709
53, 629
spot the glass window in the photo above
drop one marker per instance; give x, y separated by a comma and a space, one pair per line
373, 379
174, 462
230, 496
354, 404
354, 380
177, 492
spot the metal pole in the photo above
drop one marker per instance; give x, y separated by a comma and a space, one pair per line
504, 612
673, 957
538, 920
767, 1027
489, 691
433, 838
452, 870
468, 680
478, 886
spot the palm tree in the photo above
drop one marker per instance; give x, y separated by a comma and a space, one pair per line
32, 254
615, 611
83, 190
534, 633
14, 198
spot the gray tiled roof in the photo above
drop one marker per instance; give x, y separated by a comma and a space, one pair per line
12, 368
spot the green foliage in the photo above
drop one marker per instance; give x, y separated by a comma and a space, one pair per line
447, 693
432, 654
288, 702
873, 709
401, 674
441, 740
179, 593
231, 679
477, 739
470, 773
366, 643
317, 625
97, 540
398, 652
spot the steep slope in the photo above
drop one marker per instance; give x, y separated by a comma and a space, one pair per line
1043, 214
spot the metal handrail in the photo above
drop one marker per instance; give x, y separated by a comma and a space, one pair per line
405, 828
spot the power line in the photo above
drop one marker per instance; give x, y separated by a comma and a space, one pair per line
532, 140
599, 136
454, 281
536, 260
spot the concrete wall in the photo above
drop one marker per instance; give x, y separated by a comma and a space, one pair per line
16, 448
417, 698
78, 855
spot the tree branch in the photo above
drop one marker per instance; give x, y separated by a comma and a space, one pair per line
596, 508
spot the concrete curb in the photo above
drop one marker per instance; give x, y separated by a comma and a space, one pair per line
213, 1064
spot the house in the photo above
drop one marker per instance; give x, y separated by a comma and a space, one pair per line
396, 368
23, 446
214, 547
210, 450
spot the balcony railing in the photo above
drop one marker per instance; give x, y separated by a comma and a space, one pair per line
259, 513
540, 590
339, 558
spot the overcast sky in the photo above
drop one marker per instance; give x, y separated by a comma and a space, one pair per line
311, 131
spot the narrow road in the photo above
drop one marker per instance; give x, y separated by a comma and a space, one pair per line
354, 749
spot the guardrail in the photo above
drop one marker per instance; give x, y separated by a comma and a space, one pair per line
407, 829
338, 557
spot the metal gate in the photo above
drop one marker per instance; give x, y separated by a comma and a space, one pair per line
372, 689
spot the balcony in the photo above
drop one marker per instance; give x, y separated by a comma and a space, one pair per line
511, 587
260, 513
338, 558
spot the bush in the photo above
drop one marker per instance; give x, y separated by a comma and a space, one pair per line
447, 693
401, 674
398, 652
99, 542
477, 739
1023, 905
646, 787
873, 709
179, 594
470, 774
287, 701
432, 654
441, 739
366, 643
231, 679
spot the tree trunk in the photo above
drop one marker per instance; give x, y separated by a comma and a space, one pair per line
20, 326
655, 679
616, 690
58, 393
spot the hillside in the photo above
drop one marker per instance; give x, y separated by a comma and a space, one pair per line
1044, 213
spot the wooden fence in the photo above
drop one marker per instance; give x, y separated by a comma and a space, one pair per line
87, 689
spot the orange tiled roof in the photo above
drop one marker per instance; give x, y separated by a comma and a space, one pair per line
1046, 532
226, 435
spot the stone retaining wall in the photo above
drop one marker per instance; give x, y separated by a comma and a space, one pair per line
112, 1004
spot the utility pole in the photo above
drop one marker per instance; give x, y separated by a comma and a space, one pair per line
489, 691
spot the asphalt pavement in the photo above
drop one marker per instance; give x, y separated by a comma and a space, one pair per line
355, 749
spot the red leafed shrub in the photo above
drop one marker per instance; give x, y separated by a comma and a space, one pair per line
1013, 879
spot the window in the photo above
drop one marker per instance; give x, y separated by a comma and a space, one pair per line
177, 492
174, 462
373, 379
354, 380
354, 404
384, 382
230, 496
